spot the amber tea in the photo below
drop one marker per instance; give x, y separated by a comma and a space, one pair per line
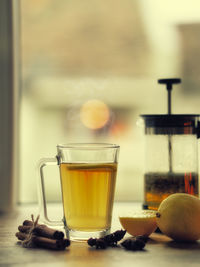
158, 186
88, 193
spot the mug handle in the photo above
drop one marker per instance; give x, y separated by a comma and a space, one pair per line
42, 197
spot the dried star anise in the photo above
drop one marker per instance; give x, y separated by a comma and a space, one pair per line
135, 243
108, 240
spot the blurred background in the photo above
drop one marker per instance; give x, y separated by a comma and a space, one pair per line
90, 68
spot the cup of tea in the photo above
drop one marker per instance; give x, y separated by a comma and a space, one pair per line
88, 177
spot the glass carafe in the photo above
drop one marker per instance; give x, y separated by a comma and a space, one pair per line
171, 157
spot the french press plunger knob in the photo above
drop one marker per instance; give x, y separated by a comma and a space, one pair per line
169, 83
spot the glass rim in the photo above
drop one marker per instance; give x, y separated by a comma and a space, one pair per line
87, 146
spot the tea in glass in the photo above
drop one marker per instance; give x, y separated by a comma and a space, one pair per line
88, 193
88, 176
159, 186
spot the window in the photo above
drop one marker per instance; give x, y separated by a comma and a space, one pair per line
89, 68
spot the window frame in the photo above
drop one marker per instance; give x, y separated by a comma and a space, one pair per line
9, 103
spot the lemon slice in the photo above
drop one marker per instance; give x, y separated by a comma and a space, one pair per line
140, 223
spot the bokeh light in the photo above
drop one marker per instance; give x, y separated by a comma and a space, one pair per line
94, 114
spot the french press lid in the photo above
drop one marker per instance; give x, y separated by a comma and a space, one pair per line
171, 123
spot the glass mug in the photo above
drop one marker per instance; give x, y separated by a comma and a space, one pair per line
88, 176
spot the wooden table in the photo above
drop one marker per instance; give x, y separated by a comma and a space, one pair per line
159, 251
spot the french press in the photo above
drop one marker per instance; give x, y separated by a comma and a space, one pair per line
171, 153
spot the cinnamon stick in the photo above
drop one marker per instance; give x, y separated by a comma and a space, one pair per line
33, 234
41, 230
28, 223
45, 231
44, 242
21, 236
24, 228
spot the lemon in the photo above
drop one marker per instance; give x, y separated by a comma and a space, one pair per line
178, 217
140, 223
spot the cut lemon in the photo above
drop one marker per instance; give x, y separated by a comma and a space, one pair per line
140, 223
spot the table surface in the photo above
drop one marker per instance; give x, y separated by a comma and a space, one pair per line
159, 251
